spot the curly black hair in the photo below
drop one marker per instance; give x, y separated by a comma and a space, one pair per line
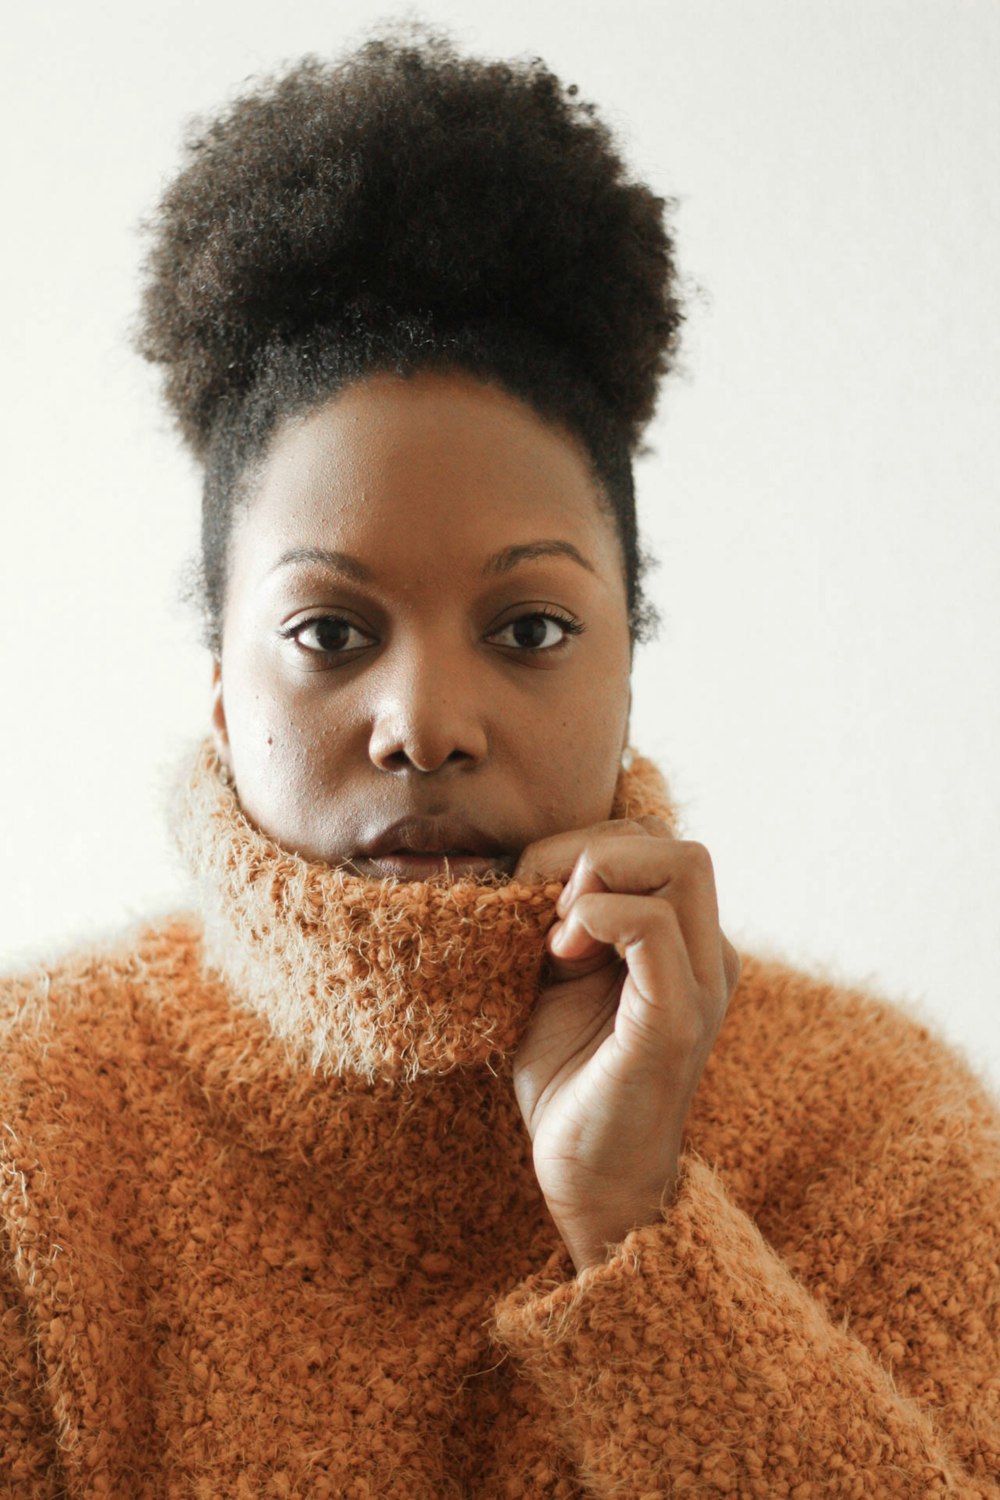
400, 208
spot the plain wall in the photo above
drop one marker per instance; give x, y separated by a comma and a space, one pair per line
821, 488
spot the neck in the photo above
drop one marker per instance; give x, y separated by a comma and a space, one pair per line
374, 979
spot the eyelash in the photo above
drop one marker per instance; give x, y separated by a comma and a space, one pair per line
566, 623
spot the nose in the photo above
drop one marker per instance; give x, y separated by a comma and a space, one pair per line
428, 712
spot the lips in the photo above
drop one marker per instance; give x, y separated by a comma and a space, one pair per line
424, 835
416, 847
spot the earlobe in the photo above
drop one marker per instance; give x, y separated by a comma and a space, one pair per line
220, 733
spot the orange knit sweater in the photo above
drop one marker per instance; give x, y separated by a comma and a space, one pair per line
269, 1225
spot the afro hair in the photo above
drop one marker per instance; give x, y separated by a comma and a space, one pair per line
400, 207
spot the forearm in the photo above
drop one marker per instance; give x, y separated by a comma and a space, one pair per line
694, 1362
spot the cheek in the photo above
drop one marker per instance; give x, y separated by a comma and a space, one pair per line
278, 740
574, 761
289, 783
293, 757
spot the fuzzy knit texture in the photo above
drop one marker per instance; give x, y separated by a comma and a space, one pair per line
269, 1225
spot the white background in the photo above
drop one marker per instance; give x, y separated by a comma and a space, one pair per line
822, 491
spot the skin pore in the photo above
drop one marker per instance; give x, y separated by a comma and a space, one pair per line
419, 676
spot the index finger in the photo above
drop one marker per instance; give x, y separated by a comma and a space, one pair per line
553, 858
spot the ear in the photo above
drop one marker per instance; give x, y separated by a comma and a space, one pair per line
220, 733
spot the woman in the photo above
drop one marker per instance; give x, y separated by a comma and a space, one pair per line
449, 1148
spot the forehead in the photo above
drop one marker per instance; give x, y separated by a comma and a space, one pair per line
434, 465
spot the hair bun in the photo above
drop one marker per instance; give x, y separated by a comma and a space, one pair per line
406, 182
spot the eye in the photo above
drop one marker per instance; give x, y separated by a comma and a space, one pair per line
540, 631
330, 634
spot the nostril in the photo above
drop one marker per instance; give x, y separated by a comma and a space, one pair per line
397, 761
402, 760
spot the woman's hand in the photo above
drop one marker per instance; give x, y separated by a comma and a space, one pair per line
636, 987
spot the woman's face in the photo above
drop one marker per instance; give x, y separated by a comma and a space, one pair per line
425, 647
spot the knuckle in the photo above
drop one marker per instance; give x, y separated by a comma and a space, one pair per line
593, 847
604, 844
698, 857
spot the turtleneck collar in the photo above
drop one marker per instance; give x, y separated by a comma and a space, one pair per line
371, 980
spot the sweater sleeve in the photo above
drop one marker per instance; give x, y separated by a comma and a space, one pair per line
694, 1362
29, 1464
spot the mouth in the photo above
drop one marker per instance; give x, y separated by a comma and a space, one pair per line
443, 846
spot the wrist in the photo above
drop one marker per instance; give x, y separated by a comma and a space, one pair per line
599, 1246
593, 1241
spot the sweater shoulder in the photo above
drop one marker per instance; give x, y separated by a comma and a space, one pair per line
820, 1091
848, 1037
89, 1005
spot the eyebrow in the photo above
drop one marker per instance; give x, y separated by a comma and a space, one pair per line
500, 562
340, 562
509, 557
